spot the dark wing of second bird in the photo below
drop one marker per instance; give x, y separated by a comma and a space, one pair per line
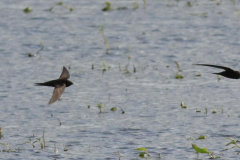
229, 73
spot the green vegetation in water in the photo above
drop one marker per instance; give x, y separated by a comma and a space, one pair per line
183, 105
202, 137
178, 67
202, 150
100, 106
122, 110
27, 10
198, 75
55, 149
218, 78
113, 109
142, 154
108, 7
43, 144
214, 111
135, 5
198, 110
206, 110
8, 149
189, 4
179, 76
61, 4
34, 55
60, 123
159, 156
129, 61
234, 142
1, 135
40, 142
105, 39
119, 156
30, 142
104, 68
66, 148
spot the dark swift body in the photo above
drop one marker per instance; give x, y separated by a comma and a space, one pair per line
59, 84
229, 73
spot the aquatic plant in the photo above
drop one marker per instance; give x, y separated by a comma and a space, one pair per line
104, 68
100, 106
61, 4
178, 67
198, 75
8, 149
234, 142
129, 60
214, 111
113, 109
66, 148
183, 105
27, 10
33, 55
142, 154
44, 144
135, 5
202, 150
108, 6
40, 142
105, 40
122, 110
1, 135
202, 137
60, 123
55, 149
30, 142
179, 76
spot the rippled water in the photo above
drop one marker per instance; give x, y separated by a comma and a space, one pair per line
154, 36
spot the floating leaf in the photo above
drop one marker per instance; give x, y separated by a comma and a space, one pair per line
200, 150
179, 76
113, 109
198, 110
142, 154
108, 6
27, 10
141, 149
214, 111
183, 104
202, 137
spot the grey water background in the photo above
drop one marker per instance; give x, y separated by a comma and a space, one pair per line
154, 36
